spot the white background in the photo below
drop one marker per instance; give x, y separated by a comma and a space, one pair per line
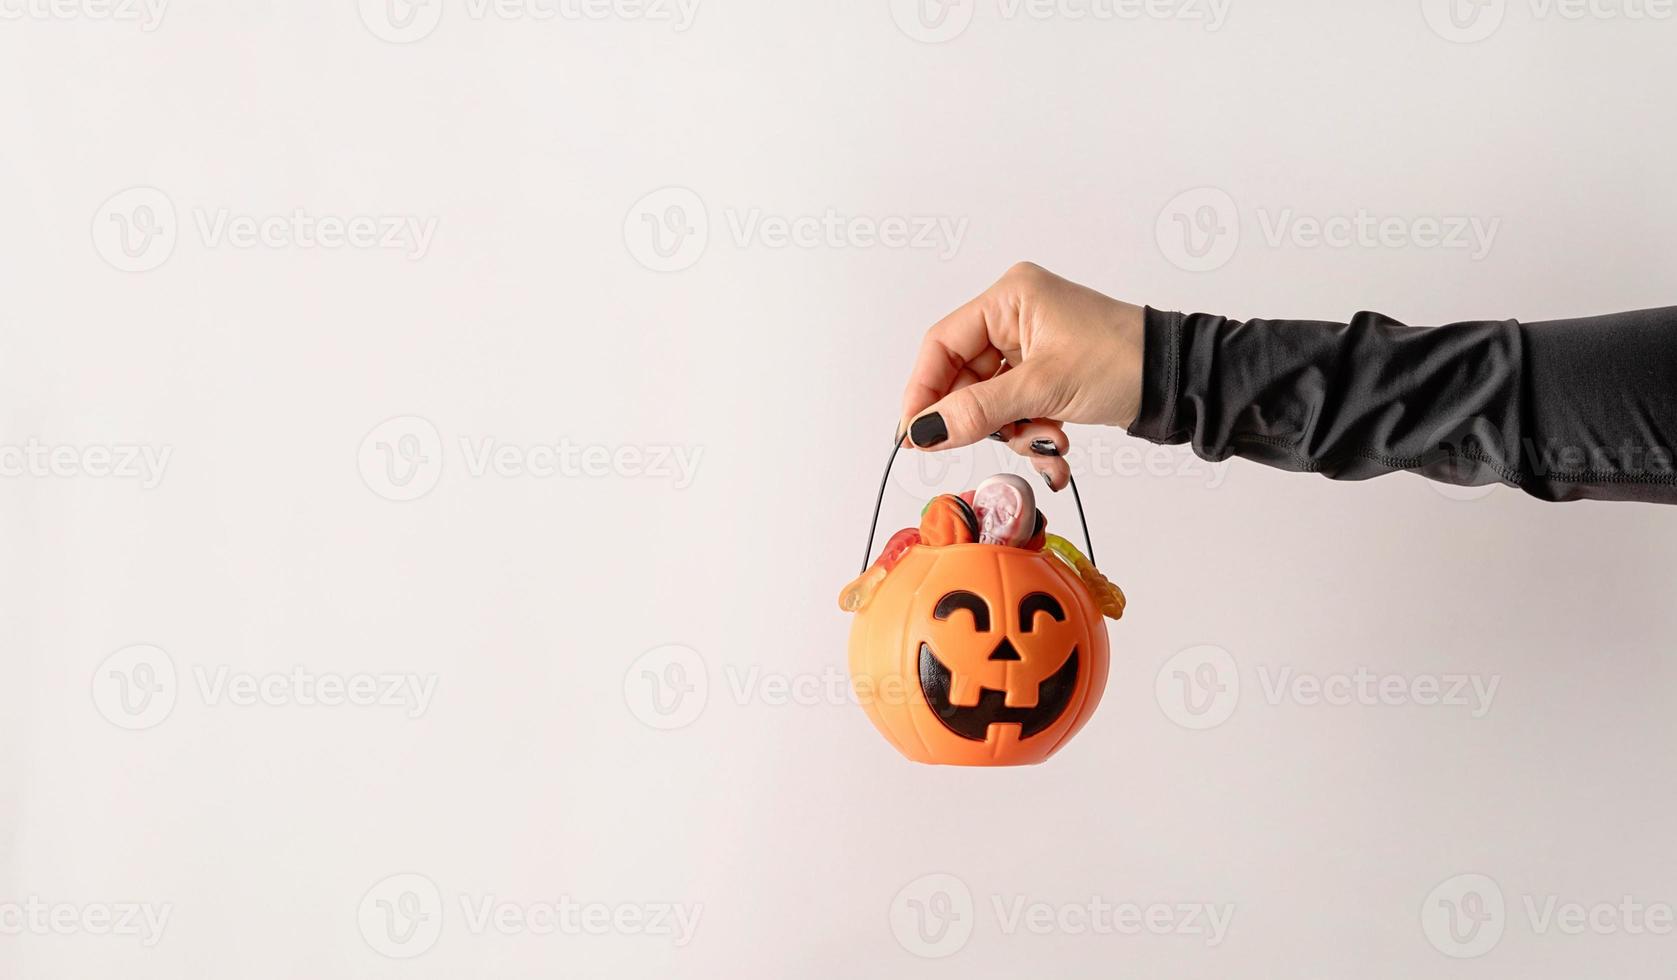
542, 607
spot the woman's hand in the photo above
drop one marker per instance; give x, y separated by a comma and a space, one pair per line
1031, 352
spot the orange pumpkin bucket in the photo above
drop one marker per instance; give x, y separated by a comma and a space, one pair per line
975, 654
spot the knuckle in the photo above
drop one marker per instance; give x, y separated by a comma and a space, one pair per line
964, 412
1025, 273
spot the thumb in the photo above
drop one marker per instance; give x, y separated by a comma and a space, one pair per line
969, 414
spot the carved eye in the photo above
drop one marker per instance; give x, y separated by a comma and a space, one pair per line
1038, 602
960, 599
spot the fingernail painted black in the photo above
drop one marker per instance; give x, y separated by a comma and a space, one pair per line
928, 430
1044, 447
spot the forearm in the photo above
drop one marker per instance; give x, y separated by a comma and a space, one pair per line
1563, 410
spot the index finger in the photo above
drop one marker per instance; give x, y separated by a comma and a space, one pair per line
964, 336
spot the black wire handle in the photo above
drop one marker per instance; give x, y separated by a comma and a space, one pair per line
879, 504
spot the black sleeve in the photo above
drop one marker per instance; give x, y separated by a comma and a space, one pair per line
1564, 410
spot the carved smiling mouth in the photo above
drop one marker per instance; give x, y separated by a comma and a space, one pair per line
1053, 695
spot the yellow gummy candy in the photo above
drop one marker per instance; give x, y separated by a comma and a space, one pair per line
861, 589
1109, 597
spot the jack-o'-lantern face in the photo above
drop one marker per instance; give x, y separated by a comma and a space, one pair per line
981, 687
979, 655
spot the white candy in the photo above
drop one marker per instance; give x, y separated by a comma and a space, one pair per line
1006, 507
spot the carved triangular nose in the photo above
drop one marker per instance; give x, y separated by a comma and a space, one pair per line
1004, 651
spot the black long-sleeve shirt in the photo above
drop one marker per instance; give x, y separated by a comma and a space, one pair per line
1563, 409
